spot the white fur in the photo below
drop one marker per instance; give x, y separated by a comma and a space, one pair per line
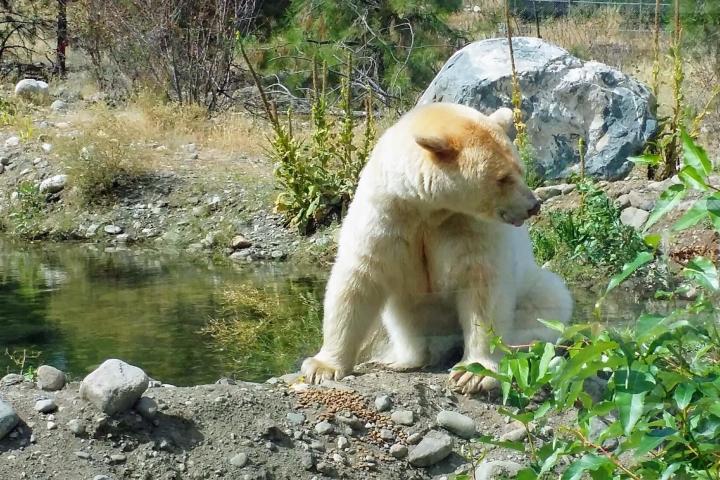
482, 272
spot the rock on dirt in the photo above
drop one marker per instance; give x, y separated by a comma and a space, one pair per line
50, 378
114, 387
403, 417
31, 89
54, 184
634, 217
434, 447
490, 470
8, 419
46, 405
457, 423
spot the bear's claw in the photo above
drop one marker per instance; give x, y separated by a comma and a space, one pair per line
468, 383
316, 371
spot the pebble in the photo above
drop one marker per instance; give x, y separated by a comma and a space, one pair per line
50, 378
514, 435
51, 425
239, 460
433, 448
387, 435
147, 408
399, 450
342, 443
113, 229
295, 418
83, 455
383, 403
403, 417
76, 426
46, 405
118, 458
489, 470
326, 469
101, 477
457, 423
324, 428
239, 242
307, 459
414, 438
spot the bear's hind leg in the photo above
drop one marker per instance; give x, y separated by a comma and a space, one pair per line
408, 345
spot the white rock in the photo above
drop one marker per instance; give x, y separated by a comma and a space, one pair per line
399, 450
13, 141
114, 386
54, 184
31, 89
490, 470
403, 417
634, 217
50, 378
457, 423
113, 229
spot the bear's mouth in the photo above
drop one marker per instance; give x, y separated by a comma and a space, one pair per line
518, 222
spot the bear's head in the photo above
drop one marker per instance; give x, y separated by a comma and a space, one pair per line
474, 166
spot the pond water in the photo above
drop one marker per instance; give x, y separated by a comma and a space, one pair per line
78, 305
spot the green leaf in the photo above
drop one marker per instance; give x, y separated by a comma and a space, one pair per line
652, 439
668, 473
553, 324
652, 240
588, 462
667, 201
694, 155
518, 446
633, 381
547, 356
697, 212
647, 159
628, 269
576, 364
692, 178
683, 395
649, 326
527, 474
478, 369
713, 210
630, 409
521, 371
704, 272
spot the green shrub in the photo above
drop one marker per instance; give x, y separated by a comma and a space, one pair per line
26, 213
660, 411
317, 178
591, 234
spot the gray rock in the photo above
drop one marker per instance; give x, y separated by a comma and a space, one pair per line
433, 448
634, 217
239, 460
51, 425
342, 443
414, 438
643, 201
33, 90
5, 159
118, 458
58, 106
457, 423
623, 201
399, 450
239, 242
546, 193
147, 408
11, 379
295, 418
350, 420
383, 403
514, 435
324, 428
114, 386
83, 455
565, 188
8, 419
596, 388
46, 405
101, 477
2, 168
50, 378
113, 229
490, 470
564, 98
307, 459
54, 184
13, 141
326, 469
403, 417
76, 426
387, 435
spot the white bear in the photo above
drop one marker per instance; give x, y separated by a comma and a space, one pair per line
433, 247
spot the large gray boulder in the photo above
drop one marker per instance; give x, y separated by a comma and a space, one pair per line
8, 419
114, 386
31, 89
564, 99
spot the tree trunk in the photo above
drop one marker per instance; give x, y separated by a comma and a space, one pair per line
62, 37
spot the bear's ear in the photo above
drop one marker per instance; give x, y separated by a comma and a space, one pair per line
441, 148
504, 118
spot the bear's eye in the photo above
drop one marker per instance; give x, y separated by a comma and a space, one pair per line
505, 180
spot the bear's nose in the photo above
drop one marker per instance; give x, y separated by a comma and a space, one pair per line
535, 209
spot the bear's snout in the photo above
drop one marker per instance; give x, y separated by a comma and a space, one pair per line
535, 209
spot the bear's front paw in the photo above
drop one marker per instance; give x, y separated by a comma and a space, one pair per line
466, 382
315, 371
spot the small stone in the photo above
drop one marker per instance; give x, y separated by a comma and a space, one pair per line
13, 141
433, 448
350, 420
239, 242
51, 425
76, 426
46, 147
387, 435
490, 470
634, 217
514, 435
54, 184
414, 438
239, 460
623, 201
277, 254
307, 459
101, 477
383, 403
324, 428
403, 417
457, 423
118, 458
342, 443
50, 378
546, 193
643, 201
113, 229
46, 405
295, 418
83, 455
58, 105
399, 450
326, 469
114, 386
147, 408
8, 419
